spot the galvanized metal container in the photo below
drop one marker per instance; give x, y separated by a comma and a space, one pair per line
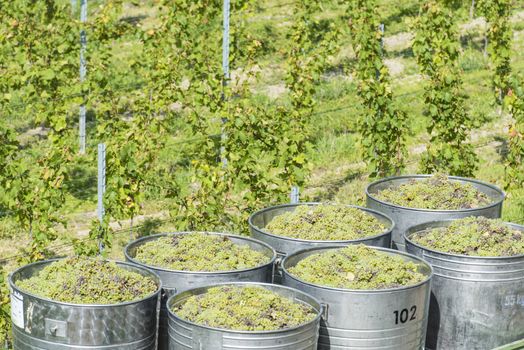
287, 245
476, 302
368, 319
43, 324
518, 345
178, 281
187, 335
405, 217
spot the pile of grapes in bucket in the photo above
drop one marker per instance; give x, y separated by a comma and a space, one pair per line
428, 265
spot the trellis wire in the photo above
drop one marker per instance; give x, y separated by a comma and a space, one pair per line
70, 244
292, 200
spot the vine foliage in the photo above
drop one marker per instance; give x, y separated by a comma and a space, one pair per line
38, 66
5, 311
383, 125
311, 50
128, 123
499, 34
515, 157
436, 48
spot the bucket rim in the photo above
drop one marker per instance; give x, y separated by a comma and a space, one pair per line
152, 274
439, 223
419, 260
388, 230
141, 241
319, 310
496, 202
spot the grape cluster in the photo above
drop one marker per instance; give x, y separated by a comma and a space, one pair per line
325, 222
437, 193
81, 280
199, 251
474, 236
357, 267
244, 308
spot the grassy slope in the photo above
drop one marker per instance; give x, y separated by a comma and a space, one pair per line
338, 171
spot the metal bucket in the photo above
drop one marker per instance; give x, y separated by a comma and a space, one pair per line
368, 319
43, 324
187, 335
178, 281
405, 217
287, 245
476, 302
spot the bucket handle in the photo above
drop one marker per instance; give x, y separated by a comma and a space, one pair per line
324, 308
277, 269
55, 328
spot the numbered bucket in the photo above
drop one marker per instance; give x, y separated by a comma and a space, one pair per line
186, 335
405, 217
42, 324
368, 319
178, 281
476, 302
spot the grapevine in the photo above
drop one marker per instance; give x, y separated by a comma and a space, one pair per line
45, 65
5, 313
436, 48
499, 34
41, 74
309, 55
251, 132
383, 125
132, 141
266, 145
515, 157
197, 86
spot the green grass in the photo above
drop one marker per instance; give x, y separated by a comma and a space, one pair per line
338, 172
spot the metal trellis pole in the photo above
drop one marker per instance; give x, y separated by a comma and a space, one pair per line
225, 41
83, 71
101, 186
381, 29
225, 68
295, 195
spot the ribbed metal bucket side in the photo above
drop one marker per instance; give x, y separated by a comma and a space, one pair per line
21, 341
43, 324
187, 335
287, 245
405, 217
179, 281
476, 302
368, 319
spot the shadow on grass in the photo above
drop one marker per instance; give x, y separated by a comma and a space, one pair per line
148, 227
332, 188
81, 182
398, 17
503, 148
